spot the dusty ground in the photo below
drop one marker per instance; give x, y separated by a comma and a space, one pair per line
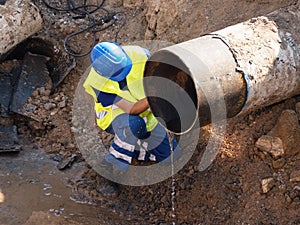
229, 192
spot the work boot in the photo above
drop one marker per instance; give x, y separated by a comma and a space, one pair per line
106, 187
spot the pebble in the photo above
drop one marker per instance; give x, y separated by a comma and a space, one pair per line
272, 145
295, 176
54, 112
35, 93
278, 164
57, 98
62, 104
267, 184
36, 125
288, 198
45, 98
42, 90
49, 106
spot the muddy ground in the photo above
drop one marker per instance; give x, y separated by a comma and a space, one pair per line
229, 192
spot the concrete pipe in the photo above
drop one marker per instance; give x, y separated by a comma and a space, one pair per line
19, 19
246, 66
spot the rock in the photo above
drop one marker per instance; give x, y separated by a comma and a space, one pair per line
49, 106
267, 184
62, 104
35, 94
66, 163
35, 125
288, 130
278, 164
272, 145
298, 110
2, 198
295, 176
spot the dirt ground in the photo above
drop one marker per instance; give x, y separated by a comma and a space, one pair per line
229, 192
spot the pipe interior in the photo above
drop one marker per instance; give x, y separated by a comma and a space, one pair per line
173, 99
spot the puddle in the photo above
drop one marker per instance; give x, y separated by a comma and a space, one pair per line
32, 186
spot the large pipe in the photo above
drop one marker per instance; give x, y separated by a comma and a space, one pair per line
246, 66
19, 19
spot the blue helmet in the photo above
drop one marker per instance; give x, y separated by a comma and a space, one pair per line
111, 61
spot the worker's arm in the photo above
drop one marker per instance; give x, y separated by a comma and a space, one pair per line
133, 108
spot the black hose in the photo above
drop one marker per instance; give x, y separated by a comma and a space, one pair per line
85, 11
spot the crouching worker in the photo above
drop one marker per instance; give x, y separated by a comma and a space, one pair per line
115, 82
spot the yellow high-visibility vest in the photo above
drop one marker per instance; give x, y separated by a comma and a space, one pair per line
134, 93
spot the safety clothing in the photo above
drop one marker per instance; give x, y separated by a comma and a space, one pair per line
131, 141
134, 93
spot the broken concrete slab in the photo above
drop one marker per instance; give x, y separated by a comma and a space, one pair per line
34, 74
9, 75
9, 141
66, 162
5, 93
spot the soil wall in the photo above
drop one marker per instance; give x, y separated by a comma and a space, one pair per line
180, 20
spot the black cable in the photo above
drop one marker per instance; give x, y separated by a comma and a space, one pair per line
116, 17
85, 11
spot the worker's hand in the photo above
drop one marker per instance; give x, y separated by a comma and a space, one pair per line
133, 108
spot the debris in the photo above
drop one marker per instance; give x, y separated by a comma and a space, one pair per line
34, 74
272, 145
9, 141
62, 104
267, 184
5, 93
9, 73
288, 130
295, 176
65, 163
284, 138
278, 164
48, 106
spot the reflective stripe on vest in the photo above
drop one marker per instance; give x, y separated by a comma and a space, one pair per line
135, 87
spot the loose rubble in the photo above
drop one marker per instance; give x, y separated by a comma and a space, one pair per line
295, 176
272, 145
267, 184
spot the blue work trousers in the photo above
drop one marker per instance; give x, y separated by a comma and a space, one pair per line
133, 141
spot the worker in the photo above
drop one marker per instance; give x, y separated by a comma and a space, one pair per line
115, 82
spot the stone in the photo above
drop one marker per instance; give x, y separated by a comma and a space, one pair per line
35, 125
267, 184
295, 176
278, 164
288, 130
49, 106
272, 145
62, 104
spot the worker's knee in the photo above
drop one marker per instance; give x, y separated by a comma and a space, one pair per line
137, 127
129, 126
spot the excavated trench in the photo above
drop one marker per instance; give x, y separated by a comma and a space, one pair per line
34, 191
